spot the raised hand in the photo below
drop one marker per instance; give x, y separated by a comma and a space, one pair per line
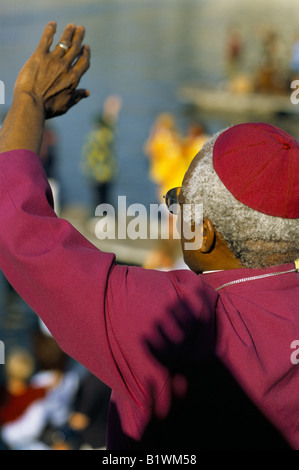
51, 77
45, 87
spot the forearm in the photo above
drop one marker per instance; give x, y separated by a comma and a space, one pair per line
24, 125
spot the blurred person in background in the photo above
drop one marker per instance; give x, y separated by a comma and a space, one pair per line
99, 151
170, 152
18, 398
234, 52
37, 398
48, 152
62, 383
88, 419
163, 148
48, 156
270, 77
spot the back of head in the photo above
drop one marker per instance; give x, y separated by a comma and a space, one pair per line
247, 178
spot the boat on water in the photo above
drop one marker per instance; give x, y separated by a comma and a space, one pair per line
222, 100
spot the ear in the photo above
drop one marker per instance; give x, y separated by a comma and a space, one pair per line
208, 236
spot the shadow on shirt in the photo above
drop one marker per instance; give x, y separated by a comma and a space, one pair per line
214, 413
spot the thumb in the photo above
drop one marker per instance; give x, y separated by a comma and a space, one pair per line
78, 95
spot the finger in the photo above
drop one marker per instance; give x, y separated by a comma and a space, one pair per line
83, 62
76, 45
47, 38
78, 95
70, 79
73, 76
66, 39
74, 98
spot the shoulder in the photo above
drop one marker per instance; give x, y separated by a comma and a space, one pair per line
160, 291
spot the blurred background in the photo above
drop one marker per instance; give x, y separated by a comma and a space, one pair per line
165, 75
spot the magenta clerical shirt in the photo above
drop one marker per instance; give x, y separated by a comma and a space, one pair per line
191, 366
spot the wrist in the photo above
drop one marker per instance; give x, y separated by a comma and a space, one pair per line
25, 99
24, 124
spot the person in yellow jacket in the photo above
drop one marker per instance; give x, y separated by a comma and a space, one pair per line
163, 148
170, 153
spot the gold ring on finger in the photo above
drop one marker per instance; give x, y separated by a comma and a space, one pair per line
63, 45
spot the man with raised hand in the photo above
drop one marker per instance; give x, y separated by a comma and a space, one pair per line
196, 359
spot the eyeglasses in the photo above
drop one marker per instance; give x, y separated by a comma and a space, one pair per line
172, 200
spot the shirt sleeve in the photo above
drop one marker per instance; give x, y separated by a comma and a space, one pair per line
113, 319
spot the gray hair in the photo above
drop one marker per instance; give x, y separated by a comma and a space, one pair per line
257, 239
